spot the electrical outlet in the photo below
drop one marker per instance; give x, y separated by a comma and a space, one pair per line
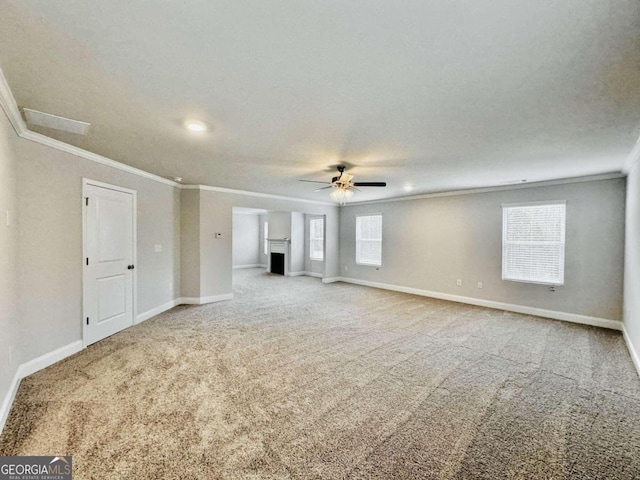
346, 267
459, 282
157, 248
479, 284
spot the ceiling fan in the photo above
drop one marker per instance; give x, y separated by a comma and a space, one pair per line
343, 186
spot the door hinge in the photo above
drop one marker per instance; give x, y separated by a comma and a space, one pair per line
86, 201
87, 320
87, 260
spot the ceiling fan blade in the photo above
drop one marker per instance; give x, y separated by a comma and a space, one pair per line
323, 188
370, 184
312, 181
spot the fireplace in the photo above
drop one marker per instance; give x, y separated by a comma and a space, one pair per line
277, 263
278, 259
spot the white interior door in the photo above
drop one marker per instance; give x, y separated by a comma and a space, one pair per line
109, 262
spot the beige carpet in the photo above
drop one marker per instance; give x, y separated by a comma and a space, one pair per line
295, 379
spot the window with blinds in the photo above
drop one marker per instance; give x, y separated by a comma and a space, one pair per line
316, 239
369, 240
533, 242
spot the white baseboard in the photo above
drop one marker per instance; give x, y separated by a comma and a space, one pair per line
253, 265
635, 357
43, 361
306, 274
313, 274
33, 366
332, 280
8, 399
203, 300
156, 311
538, 312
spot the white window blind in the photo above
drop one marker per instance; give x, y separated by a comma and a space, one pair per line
265, 237
533, 239
369, 240
316, 239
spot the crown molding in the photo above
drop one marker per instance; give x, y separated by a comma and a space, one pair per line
633, 160
453, 193
94, 157
209, 188
10, 107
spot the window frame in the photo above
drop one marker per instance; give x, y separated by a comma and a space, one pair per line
311, 239
368, 264
562, 243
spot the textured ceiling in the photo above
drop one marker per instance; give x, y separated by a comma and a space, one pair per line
437, 95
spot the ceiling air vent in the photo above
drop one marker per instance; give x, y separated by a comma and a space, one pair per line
48, 120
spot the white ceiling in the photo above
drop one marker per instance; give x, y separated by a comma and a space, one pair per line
437, 94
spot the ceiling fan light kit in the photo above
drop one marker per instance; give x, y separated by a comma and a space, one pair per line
341, 195
343, 186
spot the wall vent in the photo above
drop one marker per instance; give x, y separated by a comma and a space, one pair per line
48, 120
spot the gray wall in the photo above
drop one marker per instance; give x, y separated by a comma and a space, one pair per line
632, 259
332, 248
429, 243
50, 243
279, 225
215, 275
297, 242
13, 338
246, 239
190, 243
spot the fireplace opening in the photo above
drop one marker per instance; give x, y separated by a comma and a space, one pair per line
277, 263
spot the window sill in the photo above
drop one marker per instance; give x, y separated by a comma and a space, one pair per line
548, 284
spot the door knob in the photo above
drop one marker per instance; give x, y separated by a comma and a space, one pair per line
130, 267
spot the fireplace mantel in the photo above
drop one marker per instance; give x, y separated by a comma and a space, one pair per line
282, 246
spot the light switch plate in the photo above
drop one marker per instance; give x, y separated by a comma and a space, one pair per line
158, 248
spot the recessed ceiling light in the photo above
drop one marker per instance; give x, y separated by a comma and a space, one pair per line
177, 179
195, 126
408, 188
